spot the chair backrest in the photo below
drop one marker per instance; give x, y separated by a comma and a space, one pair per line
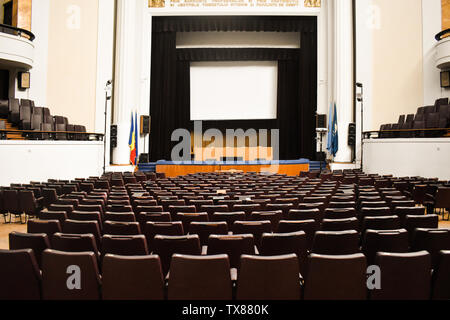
20, 277
430, 221
151, 229
132, 278
375, 241
82, 227
38, 242
308, 226
187, 218
340, 224
337, 277
431, 240
441, 277
286, 243
273, 216
269, 278
121, 228
205, 229
70, 276
49, 227
232, 245
336, 242
256, 228
124, 245
200, 278
119, 217
381, 223
166, 246
229, 217
74, 242
404, 276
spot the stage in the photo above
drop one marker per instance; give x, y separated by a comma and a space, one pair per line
289, 167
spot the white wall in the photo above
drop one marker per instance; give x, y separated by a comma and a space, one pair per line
427, 158
25, 161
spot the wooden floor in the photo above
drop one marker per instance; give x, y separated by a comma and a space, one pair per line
5, 229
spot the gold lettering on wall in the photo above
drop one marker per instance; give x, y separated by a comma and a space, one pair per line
445, 14
156, 3
313, 3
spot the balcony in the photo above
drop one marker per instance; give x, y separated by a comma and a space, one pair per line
16, 47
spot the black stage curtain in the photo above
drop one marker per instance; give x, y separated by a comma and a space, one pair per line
297, 80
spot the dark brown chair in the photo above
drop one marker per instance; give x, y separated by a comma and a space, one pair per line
256, 228
247, 208
135, 245
61, 216
232, 245
305, 214
337, 277
340, 224
404, 276
308, 226
119, 217
200, 278
286, 243
273, 216
28, 203
83, 227
431, 240
20, 276
381, 223
375, 241
269, 278
187, 218
38, 242
340, 213
402, 212
441, 277
87, 216
166, 246
174, 210
60, 280
132, 278
229, 217
211, 209
430, 221
336, 242
121, 228
117, 208
49, 227
75, 243
152, 229
205, 229
67, 208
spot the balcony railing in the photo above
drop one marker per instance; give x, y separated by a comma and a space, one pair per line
17, 31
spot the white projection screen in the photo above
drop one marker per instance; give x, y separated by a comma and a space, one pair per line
234, 90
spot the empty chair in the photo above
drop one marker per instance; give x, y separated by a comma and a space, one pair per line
132, 278
402, 212
49, 227
304, 214
211, 209
431, 240
375, 241
256, 228
121, 228
441, 277
430, 221
340, 224
337, 277
381, 223
61, 216
86, 216
174, 210
11, 203
91, 208
28, 203
166, 246
38, 242
205, 229
286, 243
68, 208
232, 245
187, 218
151, 229
119, 217
308, 226
247, 208
269, 278
336, 242
229, 217
200, 278
374, 212
119, 208
82, 227
340, 213
140, 209
135, 245
273, 216
404, 276
75, 243
20, 276
58, 266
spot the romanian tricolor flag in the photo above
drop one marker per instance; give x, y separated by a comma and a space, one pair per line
133, 142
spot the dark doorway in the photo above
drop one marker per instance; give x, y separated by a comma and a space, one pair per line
4, 84
7, 13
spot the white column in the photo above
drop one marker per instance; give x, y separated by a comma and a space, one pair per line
343, 46
125, 82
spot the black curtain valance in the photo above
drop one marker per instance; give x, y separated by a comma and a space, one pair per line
237, 54
234, 23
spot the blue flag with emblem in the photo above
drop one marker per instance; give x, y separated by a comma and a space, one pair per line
333, 139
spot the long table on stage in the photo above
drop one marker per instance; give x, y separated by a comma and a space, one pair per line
180, 168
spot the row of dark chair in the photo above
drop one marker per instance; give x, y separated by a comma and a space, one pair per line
429, 117
26, 116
